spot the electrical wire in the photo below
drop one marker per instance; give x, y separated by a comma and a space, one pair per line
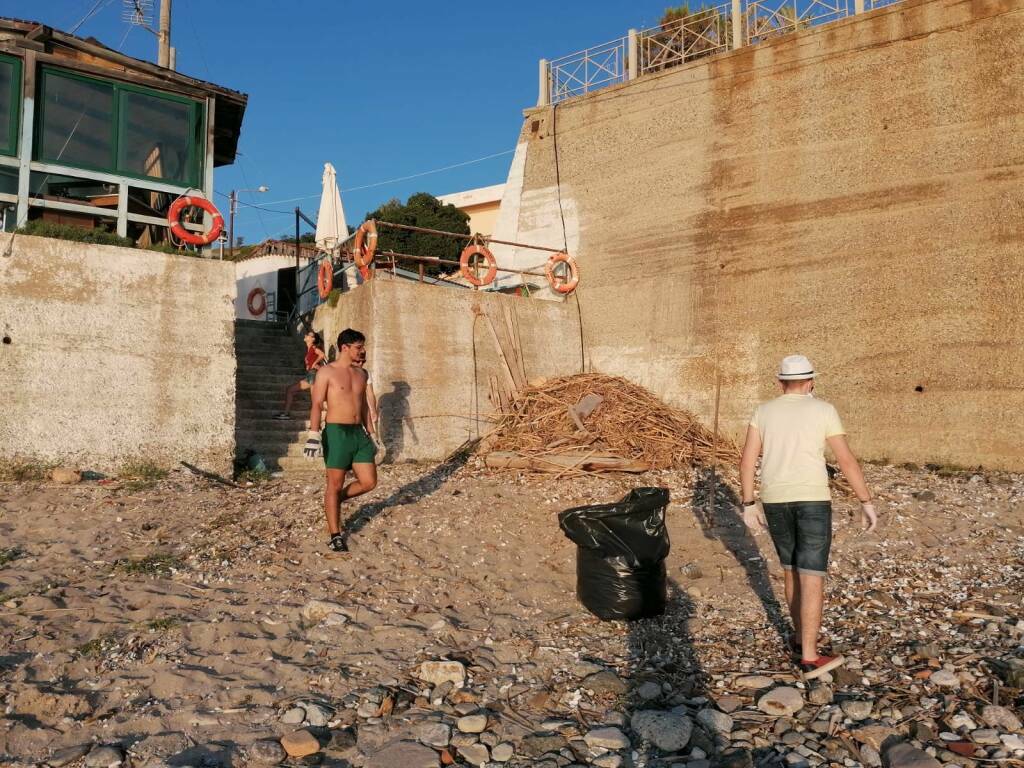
90, 14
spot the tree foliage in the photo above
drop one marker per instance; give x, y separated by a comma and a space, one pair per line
422, 210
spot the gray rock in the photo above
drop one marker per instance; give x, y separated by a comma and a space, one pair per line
1012, 741
729, 703
611, 760
945, 679
605, 682
1000, 717
857, 709
985, 736
475, 754
343, 739
266, 752
736, 758
408, 754
754, 682
905, 755
961, 720
294, 716
792, 738
62, 757
781, 701
607, 738
440, 693
472, 723
434, 734
537, 744
438, 672
460, 739
668, 731
698, 763
820, 694
502, 753
869, 756
104, 757
649, 691
316, 715
715, 721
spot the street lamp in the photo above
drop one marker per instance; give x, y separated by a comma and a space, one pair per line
232, 208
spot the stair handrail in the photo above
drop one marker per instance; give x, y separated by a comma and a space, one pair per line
309, 286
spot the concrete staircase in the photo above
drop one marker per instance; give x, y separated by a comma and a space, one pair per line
268, 360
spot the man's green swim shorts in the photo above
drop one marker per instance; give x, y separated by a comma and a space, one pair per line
345, 445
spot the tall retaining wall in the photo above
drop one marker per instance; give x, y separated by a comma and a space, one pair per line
430, 355
853, 193
114, 355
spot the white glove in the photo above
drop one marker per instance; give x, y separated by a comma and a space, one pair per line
313, 449
753, 517
868, 516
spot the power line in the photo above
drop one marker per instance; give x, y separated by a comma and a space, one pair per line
90, 14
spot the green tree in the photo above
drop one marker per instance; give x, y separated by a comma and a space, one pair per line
688, 34
422, 210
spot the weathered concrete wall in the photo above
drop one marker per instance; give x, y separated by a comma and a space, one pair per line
430, 356
113, 354
853, 193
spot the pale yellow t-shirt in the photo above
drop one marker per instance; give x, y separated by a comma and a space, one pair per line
793, 432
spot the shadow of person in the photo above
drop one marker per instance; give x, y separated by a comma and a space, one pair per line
396, 419
722, 521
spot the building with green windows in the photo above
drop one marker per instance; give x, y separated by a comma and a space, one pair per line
96, 139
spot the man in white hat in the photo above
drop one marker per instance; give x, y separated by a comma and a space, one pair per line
789, 433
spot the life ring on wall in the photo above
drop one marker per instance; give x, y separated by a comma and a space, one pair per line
325, 278
567, 286
365, 273
366, 243
474, 249
193, 238
257, 309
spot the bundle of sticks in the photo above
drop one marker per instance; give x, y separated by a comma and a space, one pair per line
594, 422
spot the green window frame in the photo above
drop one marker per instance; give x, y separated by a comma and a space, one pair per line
196, 120
15, 113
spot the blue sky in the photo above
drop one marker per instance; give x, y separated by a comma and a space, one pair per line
381, 90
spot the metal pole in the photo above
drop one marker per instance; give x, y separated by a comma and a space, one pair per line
164, 56
544, 84
232, 199
737, 24
632, 63
298, 250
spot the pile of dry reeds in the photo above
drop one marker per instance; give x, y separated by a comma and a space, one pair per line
630, 423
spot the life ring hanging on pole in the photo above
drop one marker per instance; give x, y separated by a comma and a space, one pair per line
475, 249
365, 273
366, 243
257, 309
557, 282
194, 238
325, 278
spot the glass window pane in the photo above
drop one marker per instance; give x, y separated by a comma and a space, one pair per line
78, 119
155, 137
8, 94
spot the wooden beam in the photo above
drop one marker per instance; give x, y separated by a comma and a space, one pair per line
28, 111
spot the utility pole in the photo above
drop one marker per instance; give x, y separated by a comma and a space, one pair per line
164, 58
232, 204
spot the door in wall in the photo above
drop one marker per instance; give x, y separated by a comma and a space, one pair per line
285, 291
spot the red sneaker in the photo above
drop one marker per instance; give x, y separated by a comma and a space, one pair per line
812, 668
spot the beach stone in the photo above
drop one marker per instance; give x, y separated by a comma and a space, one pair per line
439, 672
754, 682
945, 679
922, 731
460, 739
961, 720
294, 716
667, 731
736, 758
857, 709
316, 611
266, 752
700, 762
62, 757
715, 721
611, 760
1000, 717
729, 703
316, 715
985, 736
869, 756
781, 701
472, 723
605, 681
104, 757
873, 735
1012, 741
607, 738
474, 754
66, 476
343, 738
820, 694
300, 743
649, 691
503, 752
537, 744
434, 734
408, 754
908, 756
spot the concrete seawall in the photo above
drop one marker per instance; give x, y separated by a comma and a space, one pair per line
112, 355
853, 193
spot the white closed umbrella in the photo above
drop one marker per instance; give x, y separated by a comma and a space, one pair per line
331, 228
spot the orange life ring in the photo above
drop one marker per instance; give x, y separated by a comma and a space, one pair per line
556, 283
365, 273
325, 278
469, 252
192, 238
257, 293
366, 243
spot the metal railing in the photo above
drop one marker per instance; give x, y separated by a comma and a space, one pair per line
710, 30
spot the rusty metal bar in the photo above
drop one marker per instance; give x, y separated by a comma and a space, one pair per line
436, 260
411, 228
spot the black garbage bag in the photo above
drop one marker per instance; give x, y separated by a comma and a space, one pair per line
620, 560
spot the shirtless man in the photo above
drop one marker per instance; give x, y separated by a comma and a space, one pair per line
346, 443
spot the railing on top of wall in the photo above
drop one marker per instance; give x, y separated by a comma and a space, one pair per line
711, 29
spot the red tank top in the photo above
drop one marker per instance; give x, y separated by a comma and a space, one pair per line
311, 356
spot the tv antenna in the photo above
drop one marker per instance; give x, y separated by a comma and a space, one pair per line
138, 13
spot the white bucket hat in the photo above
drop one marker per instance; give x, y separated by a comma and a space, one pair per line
795, 368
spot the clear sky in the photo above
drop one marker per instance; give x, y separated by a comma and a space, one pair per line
381, 90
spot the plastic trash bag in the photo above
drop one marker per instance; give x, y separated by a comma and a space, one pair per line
620, 560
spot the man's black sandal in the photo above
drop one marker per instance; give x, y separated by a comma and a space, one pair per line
338, 543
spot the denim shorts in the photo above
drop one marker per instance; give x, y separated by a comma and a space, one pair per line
802, 534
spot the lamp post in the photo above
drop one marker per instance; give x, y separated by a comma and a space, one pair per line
232, 208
